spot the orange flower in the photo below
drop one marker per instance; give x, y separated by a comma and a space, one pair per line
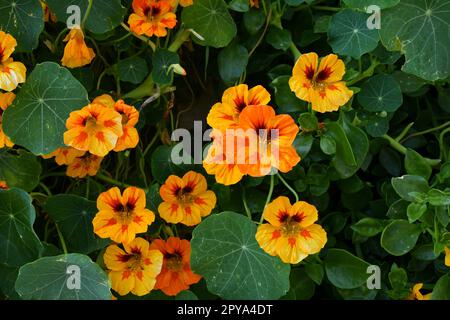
94, 128
229, 165
130, 118
121, 217
152, 17
11, 73
135, 269
6, 99
76, 53
416, 295
321, 86
48, 15
176, 274
225, 114
291, 232
271, 145
86, 165
447, 256
186, 3
186, 200
3, 185
254, 3
65, 155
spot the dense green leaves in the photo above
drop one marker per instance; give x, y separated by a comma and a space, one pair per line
74, 215
132, 70
344, 270
21, 170
15, 15
105, 15
162, 60
212, 21
37, 118
420, 29
381, 93
368, 227
225, 252
400, 237
410, 187
55, 278
18, 241
232, 62
348, 34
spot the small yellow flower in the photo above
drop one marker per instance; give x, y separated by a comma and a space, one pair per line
416, 295
76, 53
65, 155
86, 165
11, 73
447, 256
6, 99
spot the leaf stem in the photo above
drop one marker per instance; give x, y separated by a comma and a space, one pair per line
86, 15
288, 186
442, 126
244, 200
269, 197
111, 180
180, 38
61, 239
295, 51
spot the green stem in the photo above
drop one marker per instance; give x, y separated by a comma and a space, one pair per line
444, 154
144, 90
367, 73
269, 196
46, 189
88, 11
111, 180
180, 38
404, 132
295, 51
244, 200
442, 126
288, 186
325, 8
61, 239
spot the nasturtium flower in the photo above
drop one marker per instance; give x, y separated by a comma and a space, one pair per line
186, 200
274, 136
86, 165
133, 269
48, 15
130, 118
76, 53
176, 274
95, 128
291, 232
447, 256
11, 73
65, 155
122, 216
3, 185
320, 84
417, 295
225, 114
254, 3
152, 17
6, 99
183, 3
228, 166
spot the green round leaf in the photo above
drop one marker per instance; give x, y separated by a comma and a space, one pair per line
327, 145
74, 215
381, 93
232, 62
368, 227
254, 20
409, 187
419, 29
18, 241
279, 38
348, 34
37, 118
21, 170
239, 5
377, 126
225, 252
424, 252
24, 20
344, 270
132, 70
441, 290
308, 121
162, 59
52, 278
399, 237
105, 15
211, 20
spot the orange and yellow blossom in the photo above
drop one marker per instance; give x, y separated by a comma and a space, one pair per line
271, 144
121, 217
254, 3
186, 200
320, 84
86, 165
3, 185
447, 256
65, 155
176, 274
95, 128
291, 232
48, 15
76, 53
130, 118
416, 294
225, 114
133, 269
11, 73
152, 17
6, 99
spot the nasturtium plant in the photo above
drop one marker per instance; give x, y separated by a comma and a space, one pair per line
224, 149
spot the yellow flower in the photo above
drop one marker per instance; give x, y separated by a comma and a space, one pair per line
121, 217
87, 165
65, 155
320, 85
416, 295
48, 15
186, 200
6, 99
76, 53
447, 256
291, 232
152, 17
95, 128
11, 73
3, 185
135, 269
